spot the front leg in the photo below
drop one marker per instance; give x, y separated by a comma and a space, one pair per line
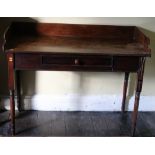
137, 95
10, 59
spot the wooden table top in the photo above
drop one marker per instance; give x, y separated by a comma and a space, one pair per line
117, 40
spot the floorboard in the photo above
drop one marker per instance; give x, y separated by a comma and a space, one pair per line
77, 124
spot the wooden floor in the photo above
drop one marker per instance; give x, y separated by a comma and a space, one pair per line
84, 124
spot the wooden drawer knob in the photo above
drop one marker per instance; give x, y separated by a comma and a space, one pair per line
76, 61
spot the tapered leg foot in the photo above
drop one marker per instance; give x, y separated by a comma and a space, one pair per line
133, 132
135, 113
12, 112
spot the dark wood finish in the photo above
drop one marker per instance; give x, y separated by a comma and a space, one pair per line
69, 30
49, 61
125, 90
18, 90
70, 47
126, 64
10, 59
139, 37
137, 95
70, 38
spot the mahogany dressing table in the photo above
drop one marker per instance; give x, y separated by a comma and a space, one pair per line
75, 47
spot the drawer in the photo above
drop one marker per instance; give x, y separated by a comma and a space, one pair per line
122, 63
77, 60
63, 62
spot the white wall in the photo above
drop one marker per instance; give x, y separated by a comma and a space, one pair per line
88, 91
144, 22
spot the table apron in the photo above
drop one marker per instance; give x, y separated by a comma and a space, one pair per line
29, 61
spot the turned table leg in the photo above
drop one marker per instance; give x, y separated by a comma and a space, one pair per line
18, 89
10, 60
125, 90
137, 94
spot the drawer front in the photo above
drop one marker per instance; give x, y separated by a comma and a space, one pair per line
76, 62
63, 62
129, 63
